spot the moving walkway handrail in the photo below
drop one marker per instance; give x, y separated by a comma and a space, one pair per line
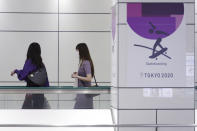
107, 125
55, 89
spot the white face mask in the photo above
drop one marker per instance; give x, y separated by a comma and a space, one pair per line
77, 56
77, 52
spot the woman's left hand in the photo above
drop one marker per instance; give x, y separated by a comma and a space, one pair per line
75, 75
13, 72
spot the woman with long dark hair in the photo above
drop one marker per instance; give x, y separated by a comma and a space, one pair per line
33, 63
84, 76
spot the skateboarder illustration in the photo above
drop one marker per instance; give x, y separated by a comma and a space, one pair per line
155, 52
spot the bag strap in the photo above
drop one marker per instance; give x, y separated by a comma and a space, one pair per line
95, 81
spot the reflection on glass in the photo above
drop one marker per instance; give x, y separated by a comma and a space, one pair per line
56, 97
152, 92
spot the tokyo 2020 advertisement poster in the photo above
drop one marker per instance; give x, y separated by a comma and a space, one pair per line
153, 43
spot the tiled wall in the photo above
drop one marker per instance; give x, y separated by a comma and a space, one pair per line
131, 105
58, 25
195, 39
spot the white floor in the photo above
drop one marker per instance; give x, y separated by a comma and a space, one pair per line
56, 117
55, 129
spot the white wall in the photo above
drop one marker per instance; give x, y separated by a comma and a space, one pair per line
58, 27
195, 40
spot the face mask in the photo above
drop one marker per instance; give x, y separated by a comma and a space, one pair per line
77, 55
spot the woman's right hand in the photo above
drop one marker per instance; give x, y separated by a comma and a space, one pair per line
74, 75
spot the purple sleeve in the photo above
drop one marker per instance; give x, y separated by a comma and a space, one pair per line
87, 67
27, 68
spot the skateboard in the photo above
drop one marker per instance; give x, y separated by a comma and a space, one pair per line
158, 53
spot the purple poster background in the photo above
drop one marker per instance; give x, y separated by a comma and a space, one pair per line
154, 20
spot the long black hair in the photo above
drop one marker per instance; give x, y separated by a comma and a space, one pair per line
34, 54
84, 54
